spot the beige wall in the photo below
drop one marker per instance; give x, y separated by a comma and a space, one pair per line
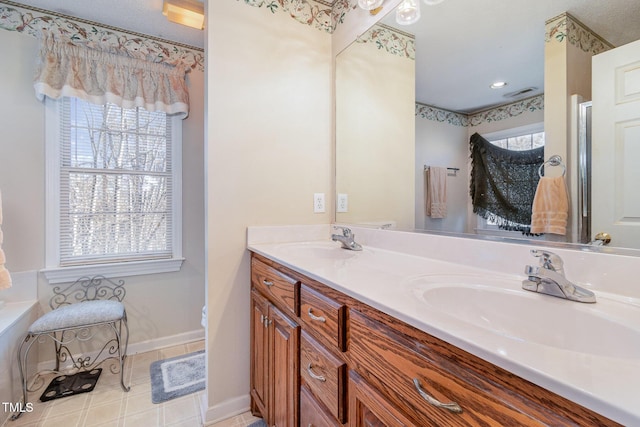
21, 154
162, 308
567, 71
375, 135
268, 150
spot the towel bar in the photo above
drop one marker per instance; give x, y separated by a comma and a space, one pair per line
455, 170
554, 160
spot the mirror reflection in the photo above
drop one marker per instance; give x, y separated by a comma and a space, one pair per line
409, 98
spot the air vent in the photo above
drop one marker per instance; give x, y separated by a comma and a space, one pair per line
520, 92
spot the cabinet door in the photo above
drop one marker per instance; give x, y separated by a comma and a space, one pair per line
285, 339
259, 355
367, 408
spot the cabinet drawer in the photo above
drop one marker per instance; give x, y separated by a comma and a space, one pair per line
409, 380
324, 374
278, 287
312, 414
324, 317
367, 408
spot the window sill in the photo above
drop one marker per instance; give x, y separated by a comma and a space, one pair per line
122, 269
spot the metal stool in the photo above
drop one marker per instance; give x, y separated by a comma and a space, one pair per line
77, 311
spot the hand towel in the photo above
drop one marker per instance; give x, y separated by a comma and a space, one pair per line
550, 208
436, 192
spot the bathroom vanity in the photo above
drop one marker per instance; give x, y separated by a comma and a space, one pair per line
331, 347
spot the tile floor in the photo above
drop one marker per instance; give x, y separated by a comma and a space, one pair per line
108, 406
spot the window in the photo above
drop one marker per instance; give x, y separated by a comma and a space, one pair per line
521, 142
517, 139
113, 190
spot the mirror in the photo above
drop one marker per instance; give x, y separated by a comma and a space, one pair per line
410, 97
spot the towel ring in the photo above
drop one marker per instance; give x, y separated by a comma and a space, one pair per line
554, 160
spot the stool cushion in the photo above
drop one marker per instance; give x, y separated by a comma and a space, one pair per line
79, 314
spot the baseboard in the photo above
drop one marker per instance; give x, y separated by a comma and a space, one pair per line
227, 409
163, 342
143, 346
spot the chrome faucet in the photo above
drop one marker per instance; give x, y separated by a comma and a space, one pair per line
548, 278
347, 238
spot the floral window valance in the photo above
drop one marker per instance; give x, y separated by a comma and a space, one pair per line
96, 76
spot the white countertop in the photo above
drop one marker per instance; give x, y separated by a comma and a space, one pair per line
602, 381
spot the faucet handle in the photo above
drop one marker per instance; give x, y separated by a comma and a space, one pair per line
548, 260
346, 231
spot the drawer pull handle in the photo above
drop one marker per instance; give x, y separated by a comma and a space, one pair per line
314, 375
453, 407
314, 317
267, 283
266, 322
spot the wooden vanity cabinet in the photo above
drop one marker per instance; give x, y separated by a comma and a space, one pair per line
367, 362
275, 346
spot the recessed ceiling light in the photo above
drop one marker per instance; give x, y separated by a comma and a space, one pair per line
498, 85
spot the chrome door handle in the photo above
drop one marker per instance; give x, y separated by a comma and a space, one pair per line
452, 407
267, 283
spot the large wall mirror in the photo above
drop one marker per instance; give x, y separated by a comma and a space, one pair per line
409, 98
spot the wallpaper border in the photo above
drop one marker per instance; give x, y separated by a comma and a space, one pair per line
34, 22
495, 114
390, 40
566, 28
320, 14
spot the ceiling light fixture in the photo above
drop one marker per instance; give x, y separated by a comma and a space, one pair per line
498, 85
408, 12
185, 12
370, 4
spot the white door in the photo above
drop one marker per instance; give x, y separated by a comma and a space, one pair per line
615, 143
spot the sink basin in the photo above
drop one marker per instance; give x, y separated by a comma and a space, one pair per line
502, 307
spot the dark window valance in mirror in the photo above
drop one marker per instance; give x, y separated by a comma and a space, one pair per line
503, 183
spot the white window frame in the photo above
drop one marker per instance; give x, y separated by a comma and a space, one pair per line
55, 273
482, 227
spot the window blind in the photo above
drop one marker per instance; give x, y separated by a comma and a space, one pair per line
115, 184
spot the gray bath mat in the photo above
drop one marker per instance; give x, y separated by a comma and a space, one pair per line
177, 376
259, 423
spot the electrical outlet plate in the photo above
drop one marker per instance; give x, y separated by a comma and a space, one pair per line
318, 203
343, 203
